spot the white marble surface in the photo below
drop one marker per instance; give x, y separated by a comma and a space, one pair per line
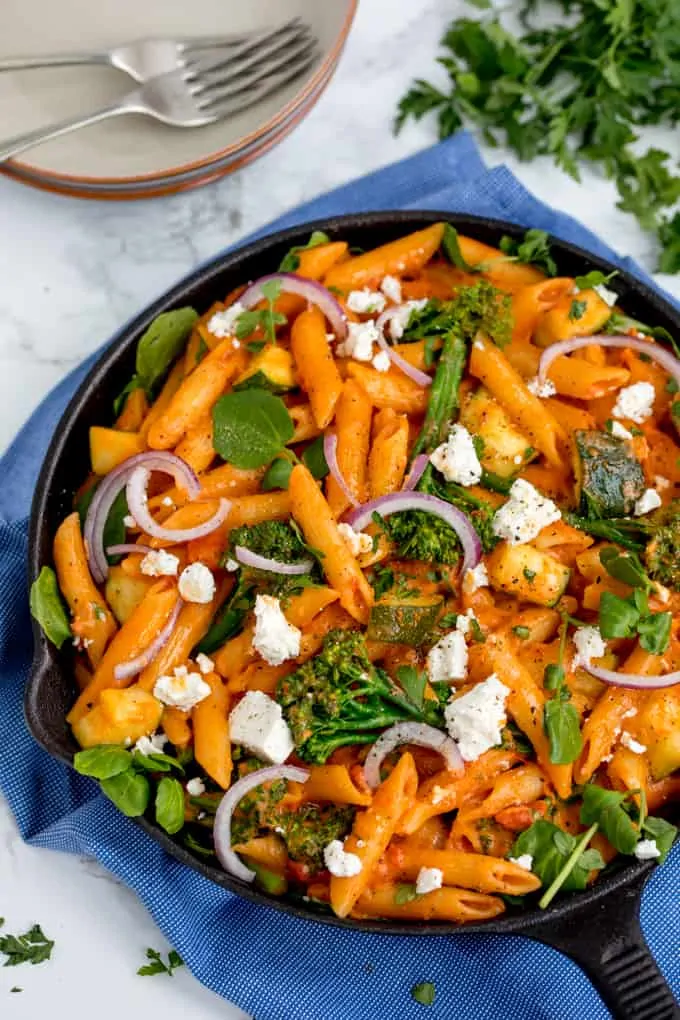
70, 272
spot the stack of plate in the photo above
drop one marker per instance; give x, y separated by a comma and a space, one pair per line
134, 157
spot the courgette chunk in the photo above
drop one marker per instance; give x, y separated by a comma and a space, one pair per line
271, 369
609, 477
407, 621
527, 573
505, 450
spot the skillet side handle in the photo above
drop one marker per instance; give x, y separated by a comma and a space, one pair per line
608, 944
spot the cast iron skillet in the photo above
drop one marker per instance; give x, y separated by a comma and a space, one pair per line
600, 928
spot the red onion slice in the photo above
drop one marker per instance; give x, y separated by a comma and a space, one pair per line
312, 291
398, 501
229, 860
416, 472
416, 733
252, 559
124, 670
421, 378
654, 351
330, 452
128, 549
638, 680
139, 508
110, 486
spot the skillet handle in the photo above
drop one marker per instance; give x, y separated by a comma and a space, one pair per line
608, 944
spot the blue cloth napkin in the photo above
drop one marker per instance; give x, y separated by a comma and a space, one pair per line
273, 966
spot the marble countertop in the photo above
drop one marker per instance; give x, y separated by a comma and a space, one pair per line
71, 272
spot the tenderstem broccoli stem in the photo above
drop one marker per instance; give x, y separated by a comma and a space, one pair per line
444, 398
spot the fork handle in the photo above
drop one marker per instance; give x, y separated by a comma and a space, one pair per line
13, 146
61, 60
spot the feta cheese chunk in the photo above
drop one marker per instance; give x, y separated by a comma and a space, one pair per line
632, 744
541, 389
610, 297
381, 362
525, 514
358, 541
457, 458
448, 659
196, 583
359, 341
400, 319
391, 288
223, 323
464, 621
475, 719
647, 850
340, 863
151, 745
365, 302
476, 578
589, 645
620, 431
635, 402
648, 501
129, 521
159, 563
183, 690
274, 638
523, 861
195, 787
428, 880
205, 664
257, 724
232, 566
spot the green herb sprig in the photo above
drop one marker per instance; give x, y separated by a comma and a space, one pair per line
32, 947
560, 718
158, 966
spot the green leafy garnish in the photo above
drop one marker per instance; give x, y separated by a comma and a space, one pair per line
102, 762
266, 319
560, 718
626, 567
522, 632
47, 607
129, 791
32, 947
277, 475
413, 684
557, 856
611, 813
405, 892
627, 617
662, 832
533, 249
157, 966
577, 310
250, 428
170, 805
424, 993
290, 263
314, 459
451, 246
157, 349
594, 278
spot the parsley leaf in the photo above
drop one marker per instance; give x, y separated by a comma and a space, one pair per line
157, 965
533, 250
290, 263
424, 993
32, 947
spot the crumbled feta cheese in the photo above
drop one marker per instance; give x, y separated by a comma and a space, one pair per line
205, 664
360, 844
525, 514
274, 638
151, 745
340, 863
589, 645
358, 541
399, 321
223, 323
159, 563
196, 583
523, 861
232, 565
381, 362
195, 787
81, 643
437, 795
663, 594
647, 850
541, 389
457, 458
630, 713
648, 501
257, 724
464, 621
478, 344
129, 521
476, 578
661, 483
428, 880
391, 288
620, 431
168, 501
359, 341
517, 459
366, 301
610, 297
632, 744
635, 402
183, 690
475, 719
448, 659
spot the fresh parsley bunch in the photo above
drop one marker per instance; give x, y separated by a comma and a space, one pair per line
575, 90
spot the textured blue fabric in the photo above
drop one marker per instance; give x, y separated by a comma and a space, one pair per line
273, 966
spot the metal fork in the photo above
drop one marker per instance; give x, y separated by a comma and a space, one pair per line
147, 58
200, 93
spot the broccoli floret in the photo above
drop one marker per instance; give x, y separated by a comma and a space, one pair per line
662, 555
478, 307
419, 535
312, 827
274, 539
339, 697
479, 512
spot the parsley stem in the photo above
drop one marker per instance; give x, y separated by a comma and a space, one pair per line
569, 865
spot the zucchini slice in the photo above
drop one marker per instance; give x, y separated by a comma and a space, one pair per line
505, 450
609, 478
406, 621
527, 573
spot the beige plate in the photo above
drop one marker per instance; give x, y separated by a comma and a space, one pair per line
133, 150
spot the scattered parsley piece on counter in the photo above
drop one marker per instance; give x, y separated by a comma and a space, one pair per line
32, 947
157, 966
424, 993
15, 989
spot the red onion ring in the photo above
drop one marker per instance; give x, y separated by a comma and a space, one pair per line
124, 670
416, 733
421, 378
330, 452
416, 472
252, 559
398, 501
654, 351
313, 292
229, 860
110, 486
128, 548
139, 509
638, 680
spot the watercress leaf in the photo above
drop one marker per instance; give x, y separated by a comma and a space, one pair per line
250, 428
170, 805
562, 725
605, 808
315, 460
161, 343
577, 310
48, 608
618, 618
129, 791
103, 761
290, 263
247, 323
655, 632
413, 684
405, 892
533, 249
277, 475
662, 832
595, 278
550, 848
625, 566
451, 246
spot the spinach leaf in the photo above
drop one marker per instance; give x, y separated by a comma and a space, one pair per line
563, 728
266, 319
277, 475
47, 607
229, 619
663, 834
290, 263
451, 246
607, 810
161, 344
158, 762
551, 848
413, 684
129, 792
170, 805
102, 762
114, 529
250, 428
315, 460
